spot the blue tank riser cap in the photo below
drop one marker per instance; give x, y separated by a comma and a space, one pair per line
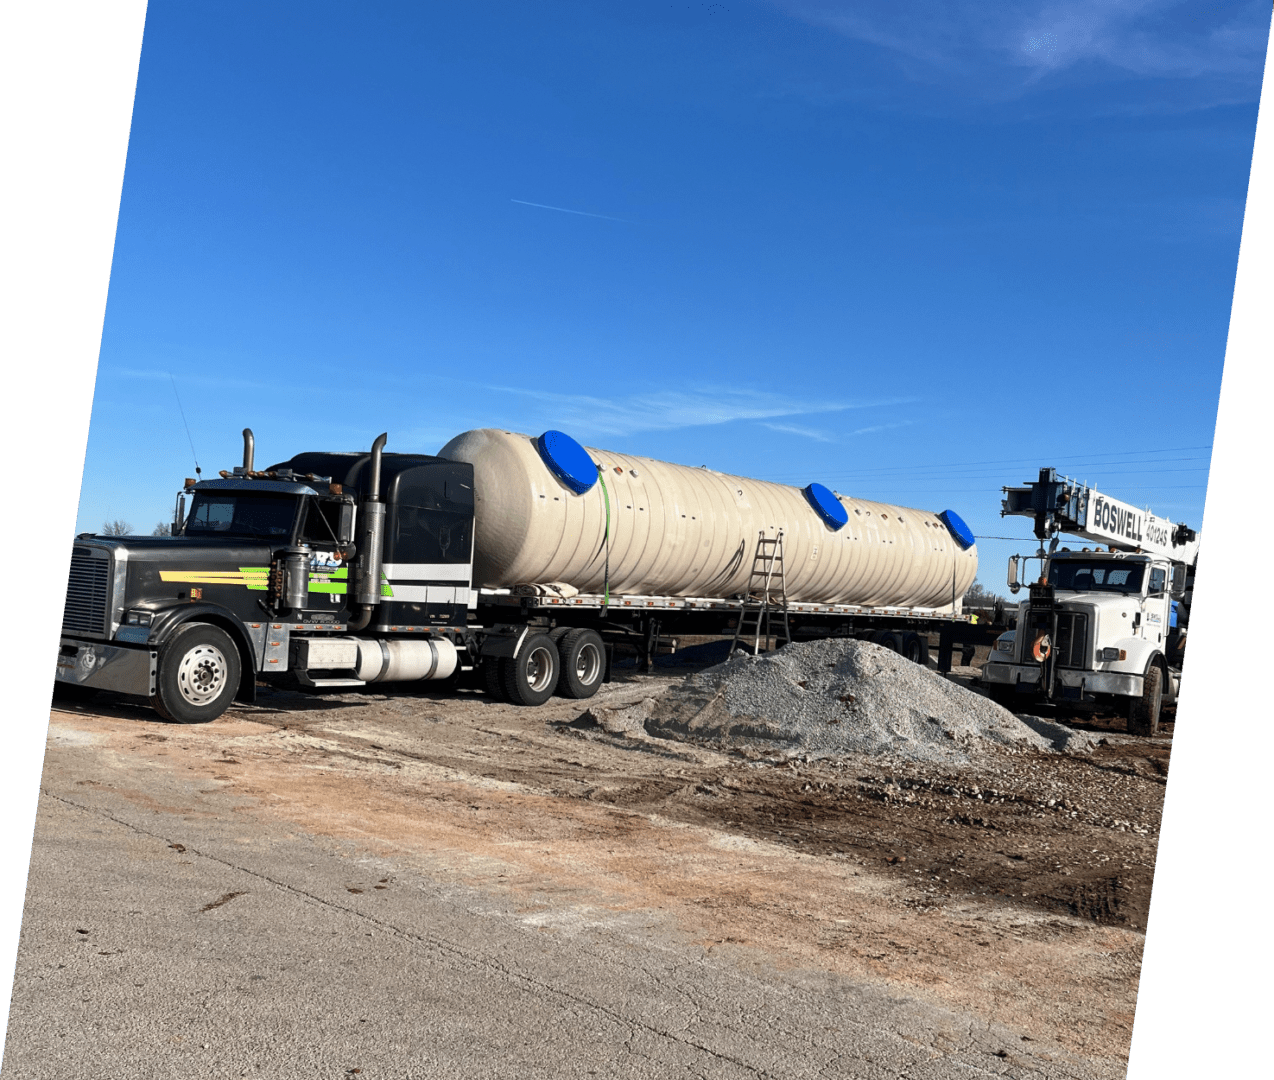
827, 506
958, 529
567, 460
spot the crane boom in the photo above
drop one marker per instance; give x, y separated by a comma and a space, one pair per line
1061, 505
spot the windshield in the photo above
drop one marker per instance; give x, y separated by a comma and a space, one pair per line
1074, 575
241, 515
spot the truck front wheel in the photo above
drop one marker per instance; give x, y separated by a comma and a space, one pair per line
583, 659
1143, 712
531, 677
198, 674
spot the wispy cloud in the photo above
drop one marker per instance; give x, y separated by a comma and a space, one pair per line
1008, 47
667, 410
804, 432
882, 427
564, 210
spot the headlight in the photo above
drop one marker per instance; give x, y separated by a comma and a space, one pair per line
1107, 655
1004, 646
138, 618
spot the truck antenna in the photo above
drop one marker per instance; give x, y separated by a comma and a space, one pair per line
198, 471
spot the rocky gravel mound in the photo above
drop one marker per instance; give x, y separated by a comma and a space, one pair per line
839, 697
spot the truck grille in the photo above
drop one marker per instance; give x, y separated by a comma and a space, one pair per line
88, 594
1072, 633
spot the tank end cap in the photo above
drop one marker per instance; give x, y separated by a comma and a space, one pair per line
827, 506
567, 460
958, 529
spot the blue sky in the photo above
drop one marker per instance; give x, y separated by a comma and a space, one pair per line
913, 251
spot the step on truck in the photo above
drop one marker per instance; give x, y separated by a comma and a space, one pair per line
518, 563
1100, 626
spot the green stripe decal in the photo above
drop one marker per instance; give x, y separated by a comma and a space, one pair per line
257, 578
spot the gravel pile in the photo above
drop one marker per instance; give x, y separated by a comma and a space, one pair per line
830, 698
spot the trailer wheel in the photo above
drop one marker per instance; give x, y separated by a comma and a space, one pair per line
915, 648
198, 674
493, 678
1143, 712
531, 677
583, 659
888, 639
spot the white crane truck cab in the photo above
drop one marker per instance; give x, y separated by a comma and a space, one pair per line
1098, 627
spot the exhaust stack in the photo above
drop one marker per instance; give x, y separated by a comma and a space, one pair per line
371, 542
249, 445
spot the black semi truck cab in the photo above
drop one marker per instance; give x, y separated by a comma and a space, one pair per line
272, 572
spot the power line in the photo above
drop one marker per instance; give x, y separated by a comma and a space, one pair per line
1126, 455
989, 475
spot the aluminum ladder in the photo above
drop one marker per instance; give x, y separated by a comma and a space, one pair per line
761, 598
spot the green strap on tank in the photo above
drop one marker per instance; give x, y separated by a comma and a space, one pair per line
606, 542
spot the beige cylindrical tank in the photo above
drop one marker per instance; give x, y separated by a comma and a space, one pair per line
681, 531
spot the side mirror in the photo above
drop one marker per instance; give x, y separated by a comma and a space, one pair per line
345, 524
1178, 580
1014, 585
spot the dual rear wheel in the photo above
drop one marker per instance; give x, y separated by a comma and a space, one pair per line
570, 662
908, 644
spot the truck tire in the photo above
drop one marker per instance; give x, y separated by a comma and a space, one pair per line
889, 639
531, 677
583, 659
198, 674
915, 648
493, 678
1143, 712
1000, 694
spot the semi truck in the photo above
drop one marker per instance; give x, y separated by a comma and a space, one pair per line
1099, 626
515, 562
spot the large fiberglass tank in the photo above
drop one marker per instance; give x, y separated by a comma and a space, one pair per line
548, 510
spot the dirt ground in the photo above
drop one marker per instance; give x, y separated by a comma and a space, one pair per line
1016, 888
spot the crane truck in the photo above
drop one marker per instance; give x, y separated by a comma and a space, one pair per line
1102, 625
524, 562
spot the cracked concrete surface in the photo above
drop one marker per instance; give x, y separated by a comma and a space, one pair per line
181, 926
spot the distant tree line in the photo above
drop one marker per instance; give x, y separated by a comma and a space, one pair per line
120, 527
978, 595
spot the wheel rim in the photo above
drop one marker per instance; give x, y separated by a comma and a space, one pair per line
588, 665
539, 669
201, 675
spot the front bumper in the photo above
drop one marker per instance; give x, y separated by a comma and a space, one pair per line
107, 667
1119, 683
